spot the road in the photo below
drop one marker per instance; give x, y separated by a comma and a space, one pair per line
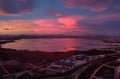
94, 68
94, 73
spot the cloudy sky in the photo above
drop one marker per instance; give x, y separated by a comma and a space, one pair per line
71, 17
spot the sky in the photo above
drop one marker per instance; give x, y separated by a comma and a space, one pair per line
69, 17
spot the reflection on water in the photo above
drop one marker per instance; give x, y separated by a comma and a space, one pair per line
56, 44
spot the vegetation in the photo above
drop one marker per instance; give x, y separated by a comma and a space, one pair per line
92, 52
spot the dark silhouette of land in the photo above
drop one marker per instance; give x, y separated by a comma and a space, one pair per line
16, 37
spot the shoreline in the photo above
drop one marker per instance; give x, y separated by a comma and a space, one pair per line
91, 52
6, 41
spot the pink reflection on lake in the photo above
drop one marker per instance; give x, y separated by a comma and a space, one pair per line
54, 44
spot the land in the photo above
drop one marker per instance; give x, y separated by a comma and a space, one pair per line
89, 64
17, 37
40, 63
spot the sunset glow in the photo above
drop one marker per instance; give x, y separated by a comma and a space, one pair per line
64, 17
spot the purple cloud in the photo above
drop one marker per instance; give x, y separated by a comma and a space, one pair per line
16, 6
94, 5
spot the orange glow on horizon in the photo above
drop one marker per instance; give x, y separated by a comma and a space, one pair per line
41, 26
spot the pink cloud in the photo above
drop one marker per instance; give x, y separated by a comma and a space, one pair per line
47, 30
58, 25
47, 26
94, 5
15, 27
45, 22
70, 21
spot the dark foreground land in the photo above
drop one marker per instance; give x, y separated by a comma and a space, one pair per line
36, 57
14, 60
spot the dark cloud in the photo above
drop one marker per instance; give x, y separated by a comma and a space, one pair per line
103, 24
94, 5
16, 6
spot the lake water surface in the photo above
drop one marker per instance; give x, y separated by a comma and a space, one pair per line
55, 44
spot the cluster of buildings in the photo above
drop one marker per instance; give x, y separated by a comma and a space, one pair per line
108, 71
70, 63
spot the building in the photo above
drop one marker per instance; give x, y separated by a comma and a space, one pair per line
70, 63
67, 64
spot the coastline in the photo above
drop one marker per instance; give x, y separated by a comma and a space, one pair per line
37, 56
6, 41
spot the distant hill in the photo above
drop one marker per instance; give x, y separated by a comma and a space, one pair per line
15, 37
